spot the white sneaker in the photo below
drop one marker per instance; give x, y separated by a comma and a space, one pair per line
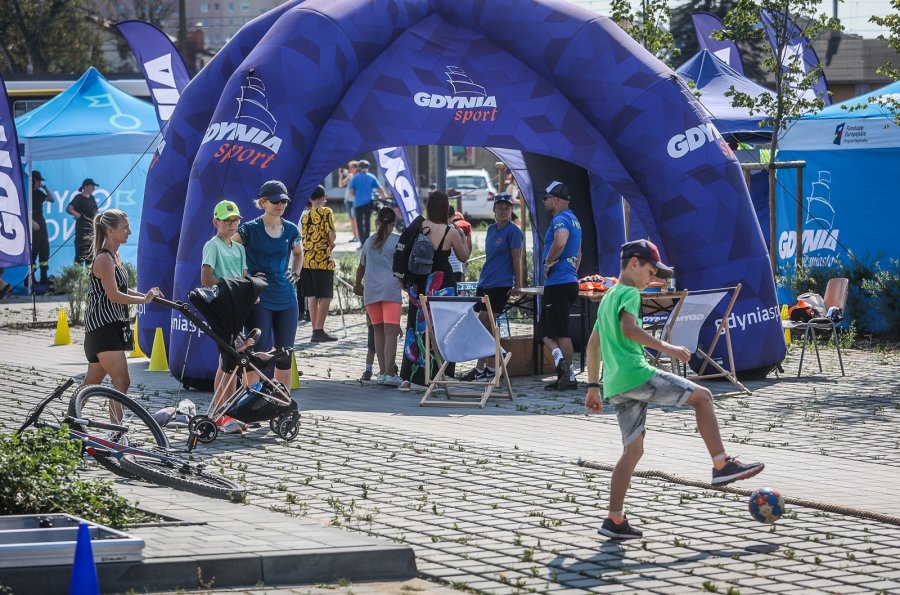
404, 386
391, 380
380, 378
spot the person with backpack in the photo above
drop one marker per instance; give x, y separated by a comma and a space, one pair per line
435, 231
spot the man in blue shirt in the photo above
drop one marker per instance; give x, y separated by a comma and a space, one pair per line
562, 255
362, 193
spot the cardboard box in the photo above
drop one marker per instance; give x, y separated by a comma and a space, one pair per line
521, 363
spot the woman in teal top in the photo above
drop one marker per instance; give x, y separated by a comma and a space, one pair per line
270, 241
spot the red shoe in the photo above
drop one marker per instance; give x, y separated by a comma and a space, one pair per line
229, 425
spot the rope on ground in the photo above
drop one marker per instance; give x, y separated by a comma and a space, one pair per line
823, 506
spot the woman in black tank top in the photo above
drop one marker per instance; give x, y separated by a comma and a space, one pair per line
437, 213
107, 323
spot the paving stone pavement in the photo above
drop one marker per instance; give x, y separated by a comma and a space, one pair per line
492, 501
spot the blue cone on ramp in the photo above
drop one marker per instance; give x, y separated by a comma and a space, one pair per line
84, 573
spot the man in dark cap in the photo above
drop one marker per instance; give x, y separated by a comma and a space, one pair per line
317, 276
40, 241
561, 257
84, 208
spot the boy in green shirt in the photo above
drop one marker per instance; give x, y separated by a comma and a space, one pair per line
630, 383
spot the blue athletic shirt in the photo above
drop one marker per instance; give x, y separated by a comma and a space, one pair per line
564, 270
498, 265
363, 184
271, 256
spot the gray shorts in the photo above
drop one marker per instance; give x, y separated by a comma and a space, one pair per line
631, 406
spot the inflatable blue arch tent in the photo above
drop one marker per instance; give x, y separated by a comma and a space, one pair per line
303, 88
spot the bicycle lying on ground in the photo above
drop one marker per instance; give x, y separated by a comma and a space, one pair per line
135, 446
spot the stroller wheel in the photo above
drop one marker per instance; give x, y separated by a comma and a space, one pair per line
192, 424
206, 430
289, 427
273, 423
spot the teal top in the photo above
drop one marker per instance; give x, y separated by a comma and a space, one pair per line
225, 260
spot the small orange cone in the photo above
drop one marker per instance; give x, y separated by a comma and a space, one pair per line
63, 337
159, 362
136, 352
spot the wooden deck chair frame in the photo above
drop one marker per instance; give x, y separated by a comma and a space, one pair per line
473, 394
665, 329
723, 330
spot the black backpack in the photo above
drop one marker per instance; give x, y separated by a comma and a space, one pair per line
404, 249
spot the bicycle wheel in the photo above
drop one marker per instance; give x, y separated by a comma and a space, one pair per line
95, 402
183, 475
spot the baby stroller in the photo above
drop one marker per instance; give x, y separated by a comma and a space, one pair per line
225, 308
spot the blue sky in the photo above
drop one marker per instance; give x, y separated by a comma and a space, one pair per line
854, 14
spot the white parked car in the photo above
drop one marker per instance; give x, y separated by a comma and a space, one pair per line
477, 190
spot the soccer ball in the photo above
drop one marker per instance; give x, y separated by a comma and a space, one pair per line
766, 505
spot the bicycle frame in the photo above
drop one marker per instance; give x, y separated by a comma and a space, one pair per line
95, 446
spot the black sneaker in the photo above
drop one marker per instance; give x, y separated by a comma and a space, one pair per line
472, 374
486, 376
320, 336
567, 384
621, 532
735, 470
552, 386
366, 376
562, 370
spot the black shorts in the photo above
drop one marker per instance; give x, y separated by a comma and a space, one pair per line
317, 283
498, 296
115, 336
555, 309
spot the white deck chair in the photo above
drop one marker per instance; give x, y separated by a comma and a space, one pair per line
459, 336
685, 331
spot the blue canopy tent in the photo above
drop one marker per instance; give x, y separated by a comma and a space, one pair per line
849, 184
330, 80
713, 78
90, 130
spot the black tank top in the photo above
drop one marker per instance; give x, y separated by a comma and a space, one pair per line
441, 262
101, 311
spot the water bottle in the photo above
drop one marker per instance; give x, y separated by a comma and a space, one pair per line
670, 282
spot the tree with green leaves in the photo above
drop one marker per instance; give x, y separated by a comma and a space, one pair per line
792, 94
892, 22
648, 24
682, 28
48, 36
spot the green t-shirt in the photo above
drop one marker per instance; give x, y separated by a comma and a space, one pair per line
225, 260
624, 364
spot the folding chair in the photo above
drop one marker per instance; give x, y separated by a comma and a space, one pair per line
459, 336
468, 289
685, 331
835, 297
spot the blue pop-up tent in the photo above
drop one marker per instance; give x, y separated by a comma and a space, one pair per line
849, 183
305, 87
713, 78
90, 130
